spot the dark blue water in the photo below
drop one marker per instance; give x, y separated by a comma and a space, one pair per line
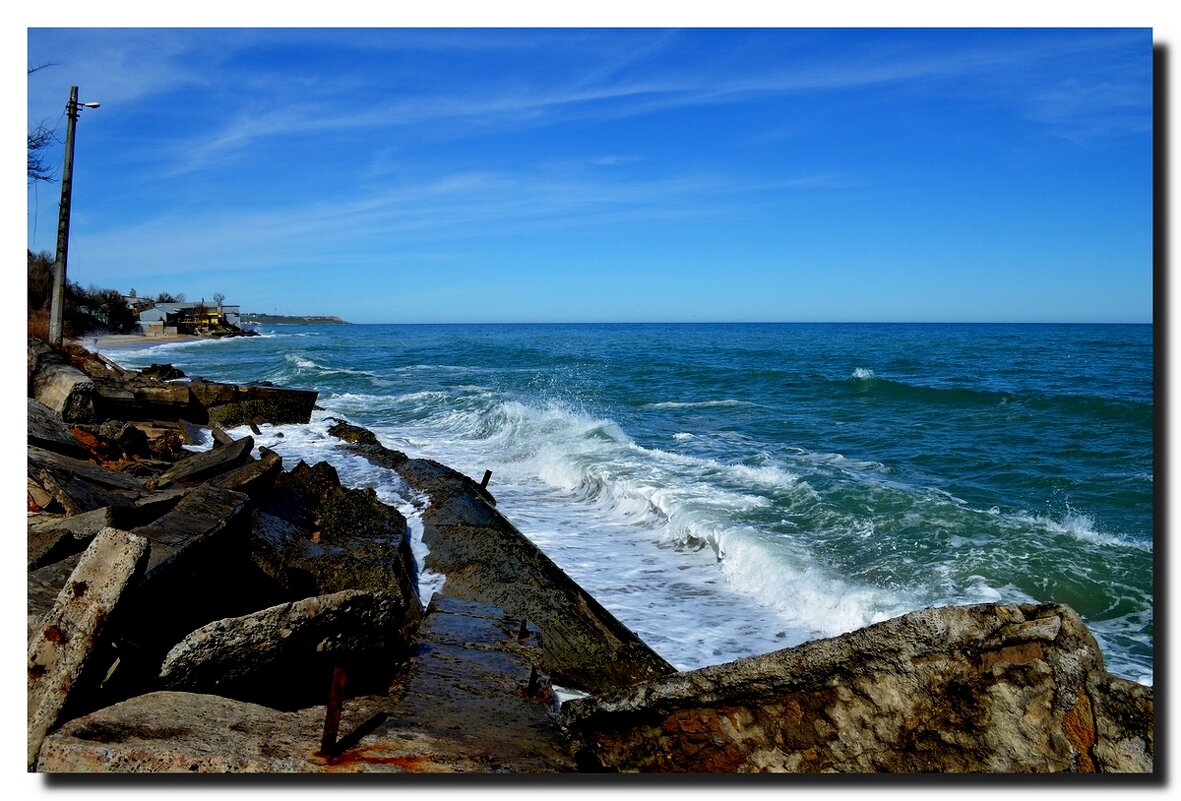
730, 489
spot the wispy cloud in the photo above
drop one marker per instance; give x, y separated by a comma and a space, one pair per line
614, 87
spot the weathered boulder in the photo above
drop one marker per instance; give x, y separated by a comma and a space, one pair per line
486, 559
132, 440
315, 537
989, 688
285, 654
176, 732
60, 386
64, 639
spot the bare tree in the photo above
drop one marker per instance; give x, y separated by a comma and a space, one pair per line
39, 140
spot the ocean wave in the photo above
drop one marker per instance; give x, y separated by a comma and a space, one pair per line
304, 363
1081, 527
865, 383
698, 404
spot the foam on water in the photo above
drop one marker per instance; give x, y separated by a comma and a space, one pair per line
719, 517
647, 530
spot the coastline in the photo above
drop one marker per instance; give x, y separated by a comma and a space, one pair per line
121, 341
623, 725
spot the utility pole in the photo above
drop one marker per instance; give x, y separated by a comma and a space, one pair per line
57, 307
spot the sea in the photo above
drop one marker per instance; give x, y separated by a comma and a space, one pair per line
733, 489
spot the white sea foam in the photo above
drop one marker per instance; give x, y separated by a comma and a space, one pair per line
862, 374
1080, 526
644, 529
709, 404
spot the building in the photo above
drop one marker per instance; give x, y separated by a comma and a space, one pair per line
163, 319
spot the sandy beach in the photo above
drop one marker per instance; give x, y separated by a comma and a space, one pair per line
117, 341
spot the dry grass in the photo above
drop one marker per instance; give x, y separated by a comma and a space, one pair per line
39, 324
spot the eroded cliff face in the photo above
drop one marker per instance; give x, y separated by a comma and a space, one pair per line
987, 688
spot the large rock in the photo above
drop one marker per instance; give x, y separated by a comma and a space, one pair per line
979, 689
63, 641
316, 537
60, 386
486, 559
287, 652
175, 732
237, 404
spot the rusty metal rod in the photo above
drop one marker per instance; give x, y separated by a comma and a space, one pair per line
332, 716
487, 476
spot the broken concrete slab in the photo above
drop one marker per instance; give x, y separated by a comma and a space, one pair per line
207, 524
206, 464
486, 559
991, 688
472, 701
255, 478
46, 430
61, 643
65, 390
274, 650
315, 537
233, 405
53, 539
81, 486
44, 585
176, 732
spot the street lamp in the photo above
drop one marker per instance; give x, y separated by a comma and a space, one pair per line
57, 306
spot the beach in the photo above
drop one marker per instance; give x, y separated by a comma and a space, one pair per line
104, 342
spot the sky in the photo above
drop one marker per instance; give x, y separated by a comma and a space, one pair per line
609, 174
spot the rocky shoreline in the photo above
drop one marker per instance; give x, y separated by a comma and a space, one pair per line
222, 611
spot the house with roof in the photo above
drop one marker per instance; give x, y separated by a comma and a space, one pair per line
164, 319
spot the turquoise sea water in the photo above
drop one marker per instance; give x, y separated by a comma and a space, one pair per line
732, 489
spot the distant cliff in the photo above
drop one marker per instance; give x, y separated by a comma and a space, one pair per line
253, 318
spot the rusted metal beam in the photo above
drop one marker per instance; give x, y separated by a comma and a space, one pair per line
332, 716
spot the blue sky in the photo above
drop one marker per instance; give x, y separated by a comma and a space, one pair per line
501, 175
